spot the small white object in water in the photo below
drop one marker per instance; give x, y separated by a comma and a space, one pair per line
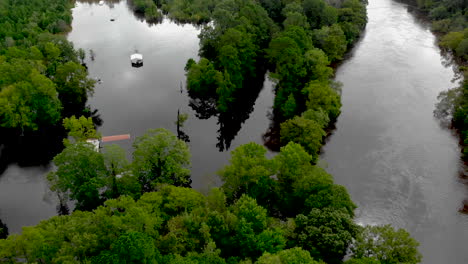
136, 59
101, 2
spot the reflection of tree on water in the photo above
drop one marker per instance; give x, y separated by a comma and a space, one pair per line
181, 118
238, 111
3, 230
272, 135
34, 148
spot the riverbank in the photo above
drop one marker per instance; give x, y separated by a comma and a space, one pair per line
400, 166
451, 29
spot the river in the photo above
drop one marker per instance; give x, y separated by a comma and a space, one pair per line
398, 164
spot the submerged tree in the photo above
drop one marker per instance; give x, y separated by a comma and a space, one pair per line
160, 157
80, 176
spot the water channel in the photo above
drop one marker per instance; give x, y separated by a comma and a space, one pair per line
133, 100
398, 164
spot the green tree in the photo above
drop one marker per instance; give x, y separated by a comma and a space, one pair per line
298, 179
319, 116
290, 107
80, 175
362, 261
306, 133
288, 256
120, 181
160, 157
386, 244
326, 233
29, 103
252, 236
322, 97
202, 77
80, 129
249, 172
334, 196
332, 40
131, 247
73, 85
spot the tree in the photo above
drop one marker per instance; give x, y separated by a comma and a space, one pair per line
30, 103
252, 235
80, 129
316, 61
80, 175
306, 133
326, 233
386, 244
81, 55
362, 261
319, 116
322, 97
290, 107
249, 172
331, 40
120, 180
131, 247
160, 157
288, 256
295, 19
334, 196
202, 78
73, 85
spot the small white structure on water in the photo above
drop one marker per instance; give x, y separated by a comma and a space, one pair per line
101, 3
136, 59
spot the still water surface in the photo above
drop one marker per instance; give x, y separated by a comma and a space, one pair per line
398, 164
132, 100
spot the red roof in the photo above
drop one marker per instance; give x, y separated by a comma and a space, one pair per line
115, 138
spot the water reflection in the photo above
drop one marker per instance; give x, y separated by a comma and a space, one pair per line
238, 110
3, 230
130, 101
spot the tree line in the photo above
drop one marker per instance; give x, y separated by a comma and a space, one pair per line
268, 210
449, 20
283, 209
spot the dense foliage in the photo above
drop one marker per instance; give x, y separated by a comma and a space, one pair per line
450, 20
88, 177
296, 41
279, 210
269, 210
41, 78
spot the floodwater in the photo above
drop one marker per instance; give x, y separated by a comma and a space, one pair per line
131, 100
399, 165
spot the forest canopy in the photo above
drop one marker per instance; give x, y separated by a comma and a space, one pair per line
41, 78
281, 209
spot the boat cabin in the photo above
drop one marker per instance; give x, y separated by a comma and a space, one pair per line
136, 59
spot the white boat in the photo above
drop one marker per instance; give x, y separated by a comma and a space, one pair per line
136, 59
